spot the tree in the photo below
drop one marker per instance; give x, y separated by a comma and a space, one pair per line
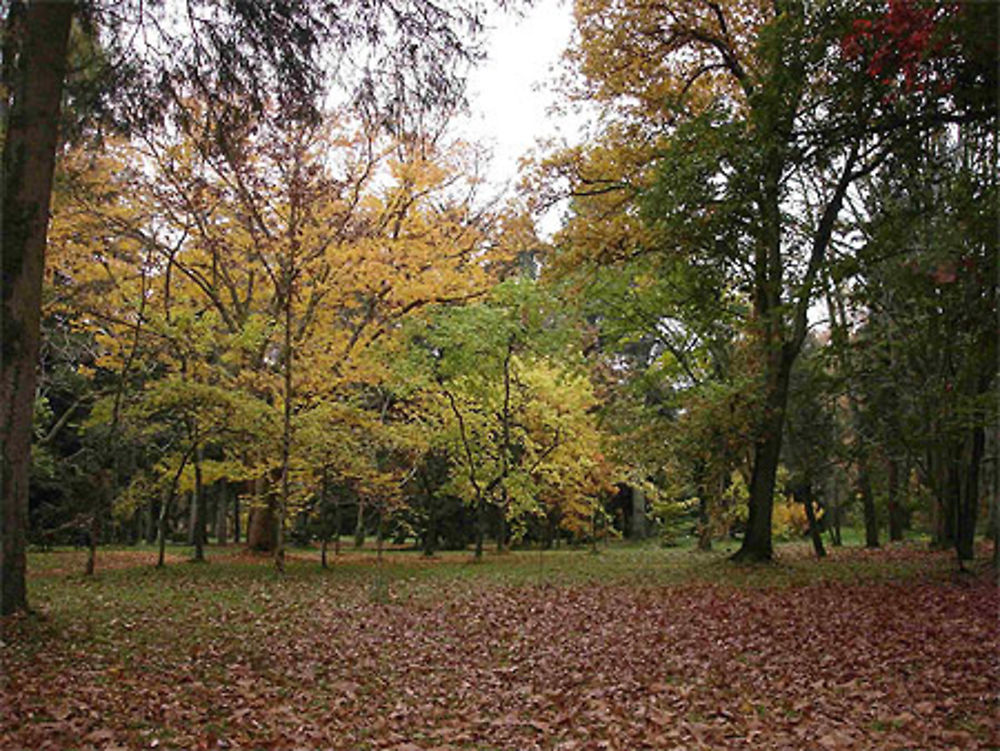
34, 52
732, 135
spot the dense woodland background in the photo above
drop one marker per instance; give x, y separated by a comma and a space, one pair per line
771, 306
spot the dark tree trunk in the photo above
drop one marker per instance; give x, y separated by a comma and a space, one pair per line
337, 521
868, 502
152, 514
431, 531
757, 544
34, 51
199, 509
222, 513
379, 533
968, 507
262, 528
895, 509
480, 527
95, 536
502, 524
704, 523
814, 531
236, 518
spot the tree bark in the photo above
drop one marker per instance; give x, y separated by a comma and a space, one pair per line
814, 531
868, 503
199, 509
704, 523
757, 543
638, 527
359, 527
35, 47
895, 509
222, 514
968, 507
480, 527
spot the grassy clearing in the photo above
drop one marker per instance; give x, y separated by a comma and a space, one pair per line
635, 647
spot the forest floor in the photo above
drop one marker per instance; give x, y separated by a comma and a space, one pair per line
634, 648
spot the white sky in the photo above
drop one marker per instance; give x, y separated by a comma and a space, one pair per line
511, 91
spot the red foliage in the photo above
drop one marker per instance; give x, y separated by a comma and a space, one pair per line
903, 44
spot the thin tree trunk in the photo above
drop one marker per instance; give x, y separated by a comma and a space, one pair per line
222, 513
96, 520
480, 527
359, 526
337, 519
814, 531
236, 518
34, 51
199, 509
165, 506
895, 510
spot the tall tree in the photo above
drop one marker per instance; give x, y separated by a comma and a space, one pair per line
732, 134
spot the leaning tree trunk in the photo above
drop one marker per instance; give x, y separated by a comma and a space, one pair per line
35, 45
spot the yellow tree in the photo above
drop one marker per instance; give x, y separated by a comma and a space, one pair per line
301, 245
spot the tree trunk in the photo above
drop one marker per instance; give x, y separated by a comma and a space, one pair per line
359, 527
639, 529
222, 514
262, 528
168, 499
430, 532
322, 551
162, 526
236, 518
199, 509
704, 523
868, 503
152, 514
192, 513
757, 544
35, 45
337, 519
814, 531
895, 509
502, 524
480, 527
968, 507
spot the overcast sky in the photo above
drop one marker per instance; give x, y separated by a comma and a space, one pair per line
510, 92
